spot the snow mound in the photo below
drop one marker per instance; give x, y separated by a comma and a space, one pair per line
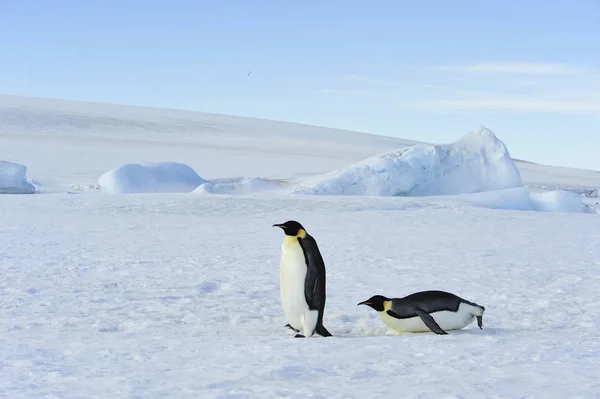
13, 179
558, 201
245, 185
478, 162
156, 177
517, 199
592, 193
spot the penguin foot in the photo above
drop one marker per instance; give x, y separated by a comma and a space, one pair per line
480, 322
322, 331
291, 328
299, 336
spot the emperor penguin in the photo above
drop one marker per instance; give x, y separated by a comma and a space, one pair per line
302, 281
437, 311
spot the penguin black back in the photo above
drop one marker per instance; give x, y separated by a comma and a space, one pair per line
314, 282
452, 311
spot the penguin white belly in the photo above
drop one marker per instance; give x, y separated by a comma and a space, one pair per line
446, 320
292, 274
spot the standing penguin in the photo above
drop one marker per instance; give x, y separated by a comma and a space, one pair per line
302, 281
427, 310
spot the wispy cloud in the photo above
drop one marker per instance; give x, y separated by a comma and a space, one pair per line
509, 86
348, 91
363, 79
382, 82
516, 104
515, 67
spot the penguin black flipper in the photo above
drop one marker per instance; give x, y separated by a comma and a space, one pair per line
405, 313
314, 286
430, 322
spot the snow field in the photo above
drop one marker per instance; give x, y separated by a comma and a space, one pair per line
177, 296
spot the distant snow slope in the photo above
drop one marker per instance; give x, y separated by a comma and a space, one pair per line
68, 143
65, 143
477, 162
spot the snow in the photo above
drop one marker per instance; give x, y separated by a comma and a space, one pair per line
557, 201
517, 199
13, 179
217, 146
239, 186
173, 295
156, 177
478, 162
520, 199
177, 294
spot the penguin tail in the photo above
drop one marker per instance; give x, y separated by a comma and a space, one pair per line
479, 315
478, 310
321, 330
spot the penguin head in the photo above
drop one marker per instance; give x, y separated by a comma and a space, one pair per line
377, 302
292, 228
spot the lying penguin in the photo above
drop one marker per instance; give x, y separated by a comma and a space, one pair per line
427, 310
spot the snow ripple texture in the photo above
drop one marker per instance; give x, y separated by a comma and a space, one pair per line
177, 296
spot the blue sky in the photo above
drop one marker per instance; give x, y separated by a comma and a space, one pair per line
430, 71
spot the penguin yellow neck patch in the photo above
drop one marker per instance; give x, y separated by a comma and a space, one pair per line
301, 233
290, 240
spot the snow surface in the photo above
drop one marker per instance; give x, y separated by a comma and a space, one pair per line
557, 201
216, 146
13, 179
519, 199
156, 177
477, 162
177, 295
172, 295
87, 139
240, 186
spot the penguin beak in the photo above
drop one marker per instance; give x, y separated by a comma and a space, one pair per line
279, 225
364, 303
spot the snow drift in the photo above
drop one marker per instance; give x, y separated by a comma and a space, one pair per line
157, 177
478, 162
238, 186
516, 199
13, 179
519, 199
558, 201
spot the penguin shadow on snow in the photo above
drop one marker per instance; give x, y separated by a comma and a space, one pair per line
302, 292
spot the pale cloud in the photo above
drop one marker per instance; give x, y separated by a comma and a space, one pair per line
502, 86
516, 104
346, 91
515, 67
382, 82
